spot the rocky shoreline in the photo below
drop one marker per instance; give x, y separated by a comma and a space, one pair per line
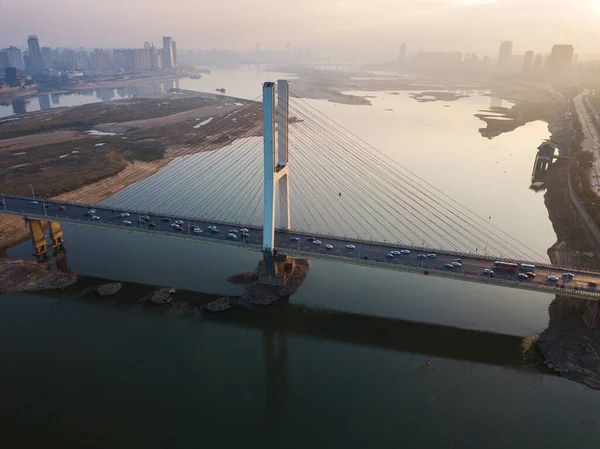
570, 348
570, 345
18, 275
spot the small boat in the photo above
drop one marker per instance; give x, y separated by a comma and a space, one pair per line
222, 90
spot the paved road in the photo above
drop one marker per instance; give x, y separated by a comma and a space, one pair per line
373, 251
591, 142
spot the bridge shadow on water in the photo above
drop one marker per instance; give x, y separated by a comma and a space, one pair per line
285, 318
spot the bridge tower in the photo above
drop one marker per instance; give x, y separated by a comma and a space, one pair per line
276, 170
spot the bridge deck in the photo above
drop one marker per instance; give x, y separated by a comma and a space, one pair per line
471, 270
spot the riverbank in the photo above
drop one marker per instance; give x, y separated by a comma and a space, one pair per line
571, 343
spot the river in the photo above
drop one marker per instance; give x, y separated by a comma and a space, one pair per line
343, 364
328, 369
244, 83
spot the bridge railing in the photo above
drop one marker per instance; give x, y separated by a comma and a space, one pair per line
444, 273
294, 232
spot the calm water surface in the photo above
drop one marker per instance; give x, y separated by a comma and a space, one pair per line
343, 364
243, 83
441, 144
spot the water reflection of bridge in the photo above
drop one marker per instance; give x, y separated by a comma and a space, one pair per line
429, 340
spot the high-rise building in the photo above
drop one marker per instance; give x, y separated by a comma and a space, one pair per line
167, 53
35, 54
82, 60
13, 58
155, 58
124, 59
505, 56
3, 60
47, 56
537, 63
561, 58
27, 61
527, 63
147, 45
174, 46
142, 59
100, 59
402, 53
56, 57
67, 59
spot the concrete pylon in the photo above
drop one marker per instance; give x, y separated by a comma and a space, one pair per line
269, 166
283, 168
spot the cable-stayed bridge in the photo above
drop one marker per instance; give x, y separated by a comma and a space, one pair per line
307, 186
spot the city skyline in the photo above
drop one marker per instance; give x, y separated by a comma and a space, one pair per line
321, 26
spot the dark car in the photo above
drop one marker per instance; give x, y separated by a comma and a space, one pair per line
166, 219
151, 225
311, 239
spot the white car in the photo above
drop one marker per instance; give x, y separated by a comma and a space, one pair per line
197, 231
123, 215
421, 256
350, 247
178, 222
457, 264
488, 272
175, 225
90, 211
231, 235
552, 278
95, 217
431, 255
126, 222
568, 275
395, 253
245, 230
328, 246
316, 242
233, 231
404, 251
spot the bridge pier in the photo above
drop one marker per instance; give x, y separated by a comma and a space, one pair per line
38, 237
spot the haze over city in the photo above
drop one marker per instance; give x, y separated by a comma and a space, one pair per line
324, 26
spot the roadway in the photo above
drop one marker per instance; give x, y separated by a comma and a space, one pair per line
591, 141
375, 251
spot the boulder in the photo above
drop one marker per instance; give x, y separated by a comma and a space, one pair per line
219, 305
162, 296
109, 289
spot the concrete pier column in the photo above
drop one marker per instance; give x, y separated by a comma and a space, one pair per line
56, 233
38, 239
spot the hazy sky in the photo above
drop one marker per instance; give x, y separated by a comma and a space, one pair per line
323, 25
